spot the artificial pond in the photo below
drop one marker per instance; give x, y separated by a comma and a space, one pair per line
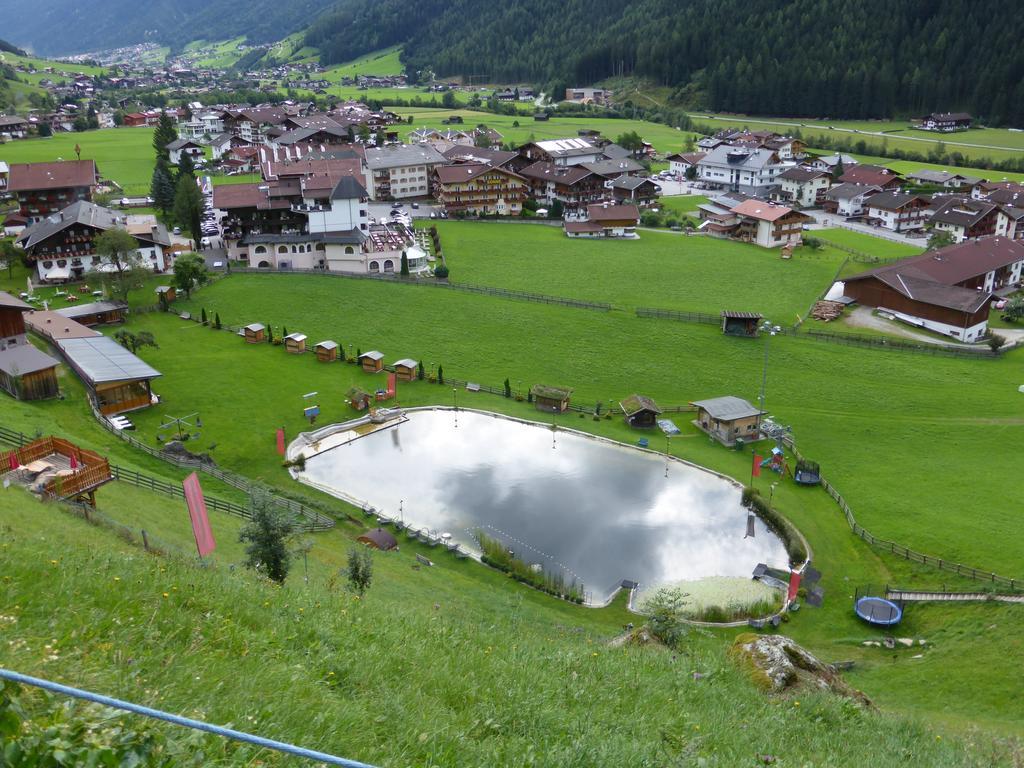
599, 512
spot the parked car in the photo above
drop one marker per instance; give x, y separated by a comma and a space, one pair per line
176, 230
416, 206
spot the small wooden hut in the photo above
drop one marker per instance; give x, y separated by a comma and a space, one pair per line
728, 418
550, 399
359, 399
167, 291
640, 412
380, 539
96, 313
255, 333
295, 343
405, 369
372, 361
740, 323
326, 351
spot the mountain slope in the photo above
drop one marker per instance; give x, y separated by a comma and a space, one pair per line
58, 27
796, 57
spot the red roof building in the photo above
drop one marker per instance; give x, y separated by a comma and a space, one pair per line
45, 188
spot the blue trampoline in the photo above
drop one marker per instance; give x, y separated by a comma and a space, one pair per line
878, 611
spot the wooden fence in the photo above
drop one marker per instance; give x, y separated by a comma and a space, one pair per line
683, 317
504, 293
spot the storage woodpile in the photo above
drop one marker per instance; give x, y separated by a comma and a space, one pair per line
827, 310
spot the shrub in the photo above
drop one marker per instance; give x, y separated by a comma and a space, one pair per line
665, 609
440, 271
813, 243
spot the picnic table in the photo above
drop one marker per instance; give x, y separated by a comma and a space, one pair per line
38, 466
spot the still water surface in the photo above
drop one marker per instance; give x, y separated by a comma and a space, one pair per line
601, 512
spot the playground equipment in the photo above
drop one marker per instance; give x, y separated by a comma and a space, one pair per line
876, 610
807, 472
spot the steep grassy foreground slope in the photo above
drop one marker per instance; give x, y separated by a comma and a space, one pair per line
430, 668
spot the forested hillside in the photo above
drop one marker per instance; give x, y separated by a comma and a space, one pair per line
59, 27
794, 57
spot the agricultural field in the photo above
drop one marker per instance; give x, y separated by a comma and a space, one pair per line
992, 143
663, 137
661, 269
124, 155
383, 62
215, 55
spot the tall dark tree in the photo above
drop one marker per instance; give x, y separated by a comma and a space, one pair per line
164, 134
266, 540
161, 189
188, 206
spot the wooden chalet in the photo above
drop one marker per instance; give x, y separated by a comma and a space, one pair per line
740, 323
550, 399
117, 380
25, 372
255, 333
96, 313
405, 369
58, 469
326, 351
295, 343
640, 412
372, 361
728, 419
359, 398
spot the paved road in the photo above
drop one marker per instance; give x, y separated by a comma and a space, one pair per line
940, 137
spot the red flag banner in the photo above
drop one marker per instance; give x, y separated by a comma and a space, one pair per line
794, 585
755, 471
280, 442
391, 385
197, 511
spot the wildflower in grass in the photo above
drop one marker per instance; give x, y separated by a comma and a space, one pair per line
166, 594
117, 578
53, 562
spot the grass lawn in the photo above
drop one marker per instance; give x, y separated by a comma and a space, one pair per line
661, 269
681, 204
243, 178
875, 246
439, 666
124, 155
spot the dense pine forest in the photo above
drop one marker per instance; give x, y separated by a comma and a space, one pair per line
812, 58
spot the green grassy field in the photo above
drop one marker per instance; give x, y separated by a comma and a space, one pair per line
215, 55
124, 155
875, 246
681, 204
997, 143
485, 675
382, 62
663, 137
661, 269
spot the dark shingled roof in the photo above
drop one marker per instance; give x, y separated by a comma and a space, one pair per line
68, 173
550, 393
636, 403
348, 188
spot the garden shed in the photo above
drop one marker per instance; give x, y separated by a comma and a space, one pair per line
359, 399
641, 412
550, 399
295, 343
740, 323
96, 313
728, 418
167, 291
326, 351
372, 361
255, 333
405, 369
380, 539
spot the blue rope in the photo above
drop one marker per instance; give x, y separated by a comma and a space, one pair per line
198, 725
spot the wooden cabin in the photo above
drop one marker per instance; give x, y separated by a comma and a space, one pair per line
326, 351
740, 323
550, 399
359, 399
117, 380
380, 539
405, 369
58, 469
295, 343
728, 419
25, 372
255, 333
167, 291
96, 313
372, 361
640, 412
